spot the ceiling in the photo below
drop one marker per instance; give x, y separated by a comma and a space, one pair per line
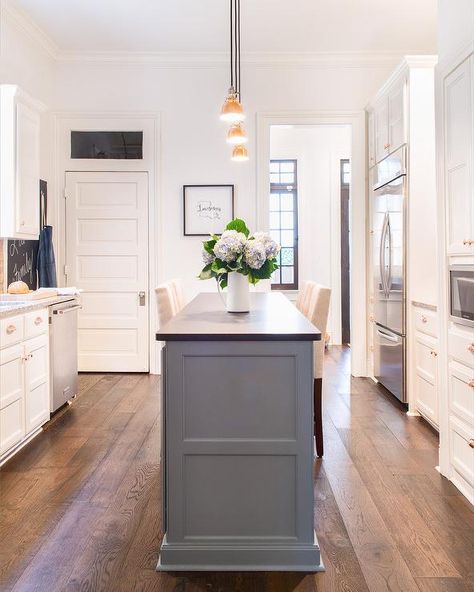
267, 25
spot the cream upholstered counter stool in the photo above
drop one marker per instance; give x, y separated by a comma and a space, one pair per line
166, 302
177, 291
303, 299
318, 311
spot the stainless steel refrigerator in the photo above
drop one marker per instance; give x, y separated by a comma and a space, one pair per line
388, 225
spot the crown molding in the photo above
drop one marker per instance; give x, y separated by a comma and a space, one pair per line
26, 25
189, 60
343, 59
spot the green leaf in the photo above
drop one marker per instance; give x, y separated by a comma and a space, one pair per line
218, 267
209, 246
239, 225
206, 273
223, 281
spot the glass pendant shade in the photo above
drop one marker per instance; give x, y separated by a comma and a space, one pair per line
239, 153
236, 135
232, 111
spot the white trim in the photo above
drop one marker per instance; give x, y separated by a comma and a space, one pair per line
149, 122
26, 25
23, 22
356, 119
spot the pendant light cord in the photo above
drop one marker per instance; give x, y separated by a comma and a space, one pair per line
231, 2
238, 52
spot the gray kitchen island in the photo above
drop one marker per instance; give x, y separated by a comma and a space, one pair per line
237, 453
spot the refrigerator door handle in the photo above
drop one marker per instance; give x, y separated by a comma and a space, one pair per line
382, 255
388, 281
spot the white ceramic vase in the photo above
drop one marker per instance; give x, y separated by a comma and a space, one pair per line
238, 293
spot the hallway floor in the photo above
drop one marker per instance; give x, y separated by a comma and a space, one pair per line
80, 507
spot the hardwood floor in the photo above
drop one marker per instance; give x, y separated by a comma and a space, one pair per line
80, 506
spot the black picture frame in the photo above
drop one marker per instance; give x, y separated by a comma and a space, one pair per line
215, 223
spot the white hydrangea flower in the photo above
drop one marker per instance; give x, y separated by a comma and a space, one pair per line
207, 257
230, 245
255, 255
272, 248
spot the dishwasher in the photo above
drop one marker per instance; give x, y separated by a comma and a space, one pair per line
63, 352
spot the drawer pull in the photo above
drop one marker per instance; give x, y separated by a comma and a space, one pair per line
433, 353
470, 348
11, 329
471, 383
471, 443
38, 321
424, 319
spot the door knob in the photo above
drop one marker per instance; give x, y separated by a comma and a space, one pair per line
141, 298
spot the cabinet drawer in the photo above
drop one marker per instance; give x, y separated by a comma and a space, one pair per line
36, 323
426, 321
426, 399
461, 392
461, 346
426, 355
11, 330
462, 450
12, 427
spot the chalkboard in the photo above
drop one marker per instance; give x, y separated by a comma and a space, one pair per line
21, 262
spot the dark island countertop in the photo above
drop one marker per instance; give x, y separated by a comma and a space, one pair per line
272, 317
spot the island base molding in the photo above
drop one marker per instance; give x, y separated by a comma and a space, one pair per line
277, 557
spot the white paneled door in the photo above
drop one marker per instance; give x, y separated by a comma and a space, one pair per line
107, 257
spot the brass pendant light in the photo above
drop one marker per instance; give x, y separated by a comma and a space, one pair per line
232, 110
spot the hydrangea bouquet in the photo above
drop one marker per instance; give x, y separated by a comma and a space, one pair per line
236, 250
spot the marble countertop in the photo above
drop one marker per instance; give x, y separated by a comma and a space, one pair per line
15, 307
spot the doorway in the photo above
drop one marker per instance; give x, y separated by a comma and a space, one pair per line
306, 214
345, 174
107, 258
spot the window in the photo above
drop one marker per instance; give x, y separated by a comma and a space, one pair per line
107, 145
284, 222
345, 172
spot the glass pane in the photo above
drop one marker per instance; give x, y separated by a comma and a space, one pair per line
287, 167
286, 238
274, 178
278, 258
346, 178
287, 201
287, 256
274, 220
274, 166
274, 202
287, 275
275, 279
275, 234
287, 220
287, 178
107, 145
346, 167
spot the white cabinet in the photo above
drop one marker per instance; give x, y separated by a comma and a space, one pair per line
24, 378
36, 382
426, 377
19, 163
12, 426
371, 137
459, 158
389, 120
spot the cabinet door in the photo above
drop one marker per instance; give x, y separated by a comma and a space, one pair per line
371, 137
396, 117
381, 129
458, 114
426, 381
12, 427
27, 171
36, 382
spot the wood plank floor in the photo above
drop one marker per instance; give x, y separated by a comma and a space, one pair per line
80, 505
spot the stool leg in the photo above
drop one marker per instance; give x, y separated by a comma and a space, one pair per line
318, 416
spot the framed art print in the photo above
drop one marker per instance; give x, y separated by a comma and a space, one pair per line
207, 208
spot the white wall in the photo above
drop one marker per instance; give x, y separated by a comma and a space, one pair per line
318, 150
455, 27
192, 137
